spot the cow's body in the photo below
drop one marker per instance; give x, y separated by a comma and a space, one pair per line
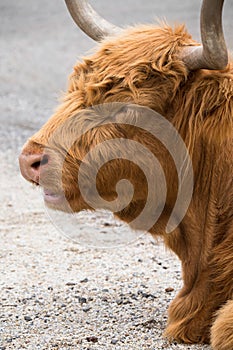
141, 67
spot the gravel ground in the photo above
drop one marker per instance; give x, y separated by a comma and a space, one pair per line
55, 293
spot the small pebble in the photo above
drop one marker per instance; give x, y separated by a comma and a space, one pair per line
82, 300
169, 290
86, 308
84, 280
107, 224
71, 283
114, 341
27, 318
92, 339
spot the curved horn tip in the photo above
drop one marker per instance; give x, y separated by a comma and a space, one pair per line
89, 21
213, 54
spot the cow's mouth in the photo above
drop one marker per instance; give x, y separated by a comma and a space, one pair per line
51, 197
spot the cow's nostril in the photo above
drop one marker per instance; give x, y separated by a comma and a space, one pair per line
35, 165
43, 161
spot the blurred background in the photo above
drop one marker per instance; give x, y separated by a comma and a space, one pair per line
39, 44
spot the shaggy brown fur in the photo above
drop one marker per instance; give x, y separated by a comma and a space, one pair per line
141, 66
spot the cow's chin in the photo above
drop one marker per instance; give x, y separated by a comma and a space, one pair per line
53, 198
56, 200
63, 202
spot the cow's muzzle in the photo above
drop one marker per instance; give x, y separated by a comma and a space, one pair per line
31, 166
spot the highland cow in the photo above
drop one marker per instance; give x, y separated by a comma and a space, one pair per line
189, 84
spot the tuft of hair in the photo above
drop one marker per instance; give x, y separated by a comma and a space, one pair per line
222, 329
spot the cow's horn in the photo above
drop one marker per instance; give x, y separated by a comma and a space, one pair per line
89, 21
213, 52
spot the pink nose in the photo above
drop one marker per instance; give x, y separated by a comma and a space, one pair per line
31, 166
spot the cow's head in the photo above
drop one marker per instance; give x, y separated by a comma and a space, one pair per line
144, 65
